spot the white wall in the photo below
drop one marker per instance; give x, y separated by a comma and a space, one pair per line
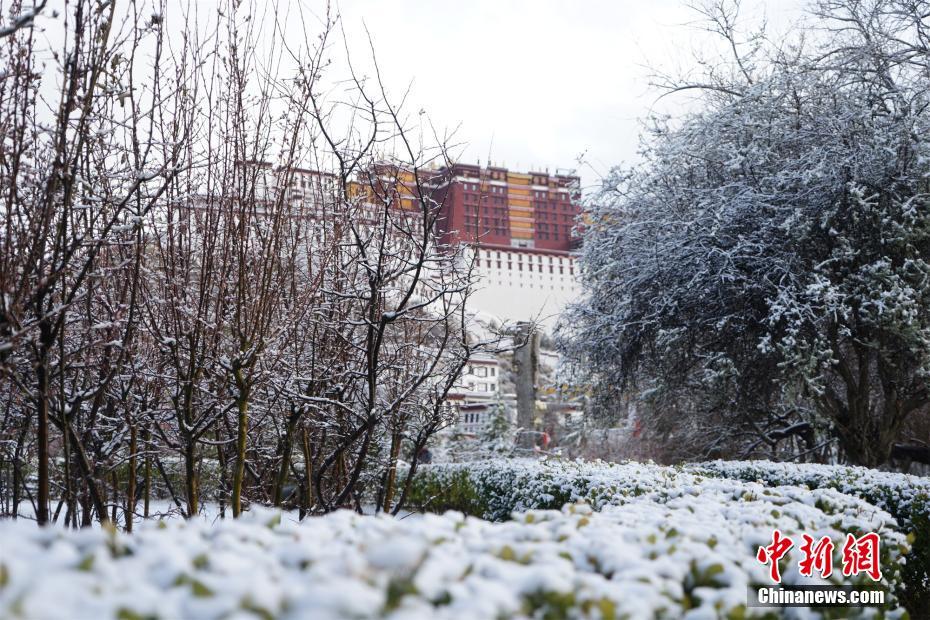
512, 294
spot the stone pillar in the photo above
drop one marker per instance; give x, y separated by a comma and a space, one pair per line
526, 365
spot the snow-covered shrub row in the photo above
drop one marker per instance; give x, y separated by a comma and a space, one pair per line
899, 494
689, 556
493, 489
905, 497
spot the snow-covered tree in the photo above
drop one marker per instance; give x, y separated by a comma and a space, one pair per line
766, 270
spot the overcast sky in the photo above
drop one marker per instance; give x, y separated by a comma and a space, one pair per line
530, 84
536, 84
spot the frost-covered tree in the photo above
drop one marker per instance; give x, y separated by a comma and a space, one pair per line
765, 271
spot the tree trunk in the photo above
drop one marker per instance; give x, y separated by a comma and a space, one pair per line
526, 362
391, 472
864, 441
242, 404
18, 467
42, 496
287, 443
223, 482
17, 482
115, 481
190, 475
418, 445
131, 486
87, 472
308, 471
68, 473
148, 475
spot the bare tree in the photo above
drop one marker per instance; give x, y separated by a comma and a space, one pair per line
218, 274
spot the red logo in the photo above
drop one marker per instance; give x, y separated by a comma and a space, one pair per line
774, 552
860, 555
817, 557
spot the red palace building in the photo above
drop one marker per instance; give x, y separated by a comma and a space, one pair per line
524, 228
494, 207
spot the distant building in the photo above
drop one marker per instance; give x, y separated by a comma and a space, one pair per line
312, 188
481, 378
523, 285
476, 393
523, 229
495, 207
474, 417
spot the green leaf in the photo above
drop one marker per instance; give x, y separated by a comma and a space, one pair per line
124, 613
198, 589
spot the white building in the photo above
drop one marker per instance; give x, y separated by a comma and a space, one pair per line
524, 285
476, 393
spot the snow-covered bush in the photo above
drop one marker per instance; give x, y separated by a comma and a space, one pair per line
905, 497
689, 556
902, 495
493, 489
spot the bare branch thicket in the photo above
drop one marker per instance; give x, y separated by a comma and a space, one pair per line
222, 281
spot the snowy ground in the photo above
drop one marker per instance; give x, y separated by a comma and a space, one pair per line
167, 510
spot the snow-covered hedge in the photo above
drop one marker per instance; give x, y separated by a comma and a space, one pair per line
663, 543
902, 495
688, 556
747, 510
905, 497
493, 489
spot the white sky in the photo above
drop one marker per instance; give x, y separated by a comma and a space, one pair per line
530, 84
536, 83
